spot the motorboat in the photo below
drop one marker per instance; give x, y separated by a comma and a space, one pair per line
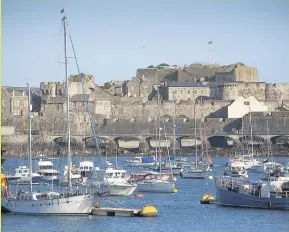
116, 180
22, 176
231, 191
139, 161
47, 171
236, 169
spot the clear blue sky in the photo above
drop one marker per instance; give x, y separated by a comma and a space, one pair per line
109, 37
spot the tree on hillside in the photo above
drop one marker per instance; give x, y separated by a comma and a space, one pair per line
151, 66
162, 65
241, 63
107, 85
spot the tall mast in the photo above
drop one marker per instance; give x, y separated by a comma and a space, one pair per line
268, 140
251, 132
243, 146
195, 119
29, 120
68, 108
158, 122
174, 127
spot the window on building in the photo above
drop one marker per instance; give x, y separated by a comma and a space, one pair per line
175, 91
181, 91
16, 112
202, 91
195, 91
16, 102
3, 102
189, 91
246, 103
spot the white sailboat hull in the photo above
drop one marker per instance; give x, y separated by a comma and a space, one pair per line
156, 186
139, 164
174, 171
194, 174
121, 189
80, 204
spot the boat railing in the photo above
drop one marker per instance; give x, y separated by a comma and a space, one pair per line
234, 184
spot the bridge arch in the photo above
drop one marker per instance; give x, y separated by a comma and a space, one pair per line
280, 139
62, 141
90, 142
127, 142
221, 141
256, 140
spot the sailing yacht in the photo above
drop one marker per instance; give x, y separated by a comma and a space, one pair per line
69, 202
168, 166
155, 183
198, 170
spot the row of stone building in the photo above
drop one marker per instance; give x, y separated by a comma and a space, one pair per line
226, 92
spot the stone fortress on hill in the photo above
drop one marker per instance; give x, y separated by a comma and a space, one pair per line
125, 112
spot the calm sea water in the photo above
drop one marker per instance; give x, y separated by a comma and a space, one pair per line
177, 212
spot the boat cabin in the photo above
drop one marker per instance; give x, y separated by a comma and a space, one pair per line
86, 168
22, 172
34, 196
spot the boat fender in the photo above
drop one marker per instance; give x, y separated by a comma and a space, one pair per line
80, 180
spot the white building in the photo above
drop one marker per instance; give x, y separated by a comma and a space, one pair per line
242, 106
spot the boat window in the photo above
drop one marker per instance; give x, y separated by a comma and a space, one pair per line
108, 175
20, 171
24, 171
90, 168
42, 196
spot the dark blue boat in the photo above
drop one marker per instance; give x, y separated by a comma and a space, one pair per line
241, 193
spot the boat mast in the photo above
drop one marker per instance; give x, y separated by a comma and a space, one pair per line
268, 140
195, 122
251, 132
174, 128
158, 123
29, 120
243, 146
68, 108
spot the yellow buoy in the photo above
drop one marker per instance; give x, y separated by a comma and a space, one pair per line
138, 195
175, 190
207, 198
149, 211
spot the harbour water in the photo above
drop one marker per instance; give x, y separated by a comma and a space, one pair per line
177, 212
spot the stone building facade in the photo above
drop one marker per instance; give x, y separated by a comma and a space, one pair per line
184, 91
218, 86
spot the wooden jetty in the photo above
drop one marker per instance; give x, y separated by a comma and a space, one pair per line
146, 211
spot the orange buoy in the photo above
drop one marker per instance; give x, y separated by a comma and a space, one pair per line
138, 195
